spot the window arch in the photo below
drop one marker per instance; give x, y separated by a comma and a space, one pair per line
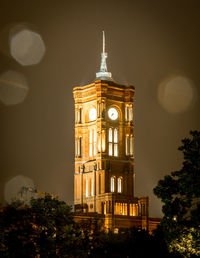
113, 139
119, 185
112, 184
129, 145
129, 113
115, 142
92, 142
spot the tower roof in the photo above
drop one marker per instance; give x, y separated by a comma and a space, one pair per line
103, 74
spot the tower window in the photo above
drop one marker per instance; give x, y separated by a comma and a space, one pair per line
92, 142
113, 142
129, 113
119, 184
110, 140
129, 145
112, 184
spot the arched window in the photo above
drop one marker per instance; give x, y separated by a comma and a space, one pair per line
110, 140
127, 113
115, 142
112, 184
115, 135
131, 145
92, 142
119, 184
131, 113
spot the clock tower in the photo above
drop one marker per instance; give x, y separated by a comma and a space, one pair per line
104, 175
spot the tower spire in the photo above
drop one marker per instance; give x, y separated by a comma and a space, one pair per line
103, 74
103, 42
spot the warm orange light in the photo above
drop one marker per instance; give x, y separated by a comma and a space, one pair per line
99, 142
103, 144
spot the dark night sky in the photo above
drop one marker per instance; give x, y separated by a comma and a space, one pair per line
153, 45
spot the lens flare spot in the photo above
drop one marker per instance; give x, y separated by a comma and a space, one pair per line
26, 46
14, 189
13, 88
176, 94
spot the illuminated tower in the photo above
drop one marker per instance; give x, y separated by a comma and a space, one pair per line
104, 152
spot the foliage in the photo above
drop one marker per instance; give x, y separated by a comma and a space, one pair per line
17, 233
45, 227
187, 243
132, 242
180, 193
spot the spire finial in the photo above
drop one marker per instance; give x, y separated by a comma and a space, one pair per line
103, 42
103, 74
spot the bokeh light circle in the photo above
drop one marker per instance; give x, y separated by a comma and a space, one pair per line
26, 46
15, 185
13, 88
176, 94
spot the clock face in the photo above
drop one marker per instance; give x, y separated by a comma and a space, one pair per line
92, 114
112, 113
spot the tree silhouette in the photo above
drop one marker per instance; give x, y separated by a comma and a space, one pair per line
180, 194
